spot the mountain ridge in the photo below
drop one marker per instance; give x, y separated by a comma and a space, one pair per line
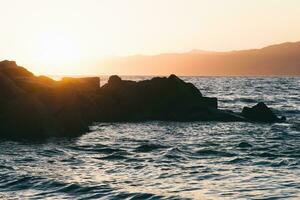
278, 60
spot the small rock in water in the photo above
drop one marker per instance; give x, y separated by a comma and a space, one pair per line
260, 113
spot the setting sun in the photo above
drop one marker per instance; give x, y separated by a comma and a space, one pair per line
72, 37
55, 51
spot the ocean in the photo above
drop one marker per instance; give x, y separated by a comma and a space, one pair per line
169, 160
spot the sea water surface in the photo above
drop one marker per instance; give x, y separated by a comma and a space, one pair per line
169, 160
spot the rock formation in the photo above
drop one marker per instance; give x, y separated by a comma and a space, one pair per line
33, 106
260, 113
38, 107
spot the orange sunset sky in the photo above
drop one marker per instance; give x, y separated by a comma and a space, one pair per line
70, 36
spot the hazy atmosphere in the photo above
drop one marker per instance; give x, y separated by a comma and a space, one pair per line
72, 36
150, 99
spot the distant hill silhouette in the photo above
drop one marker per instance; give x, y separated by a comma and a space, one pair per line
280, 59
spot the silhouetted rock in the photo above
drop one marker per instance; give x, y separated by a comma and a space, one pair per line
24, 116
113, 80
157, 99
10, 69
39, 107
8, 88
46, 80
89, 84
33, 106
260, 113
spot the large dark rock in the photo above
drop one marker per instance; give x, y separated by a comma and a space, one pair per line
160, 98
260, 113
38, 106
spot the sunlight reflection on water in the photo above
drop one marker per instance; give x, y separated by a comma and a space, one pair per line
169, 160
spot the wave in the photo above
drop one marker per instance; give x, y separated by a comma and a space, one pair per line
210, 152
168, 160
149, 147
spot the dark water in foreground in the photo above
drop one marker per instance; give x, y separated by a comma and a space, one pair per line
169, 160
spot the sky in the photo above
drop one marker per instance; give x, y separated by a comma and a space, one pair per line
65, 36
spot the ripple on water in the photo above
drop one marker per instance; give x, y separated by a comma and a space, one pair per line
169, 160
210, 152
149, 147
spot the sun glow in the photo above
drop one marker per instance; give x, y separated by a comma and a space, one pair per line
68, 37
57, 52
